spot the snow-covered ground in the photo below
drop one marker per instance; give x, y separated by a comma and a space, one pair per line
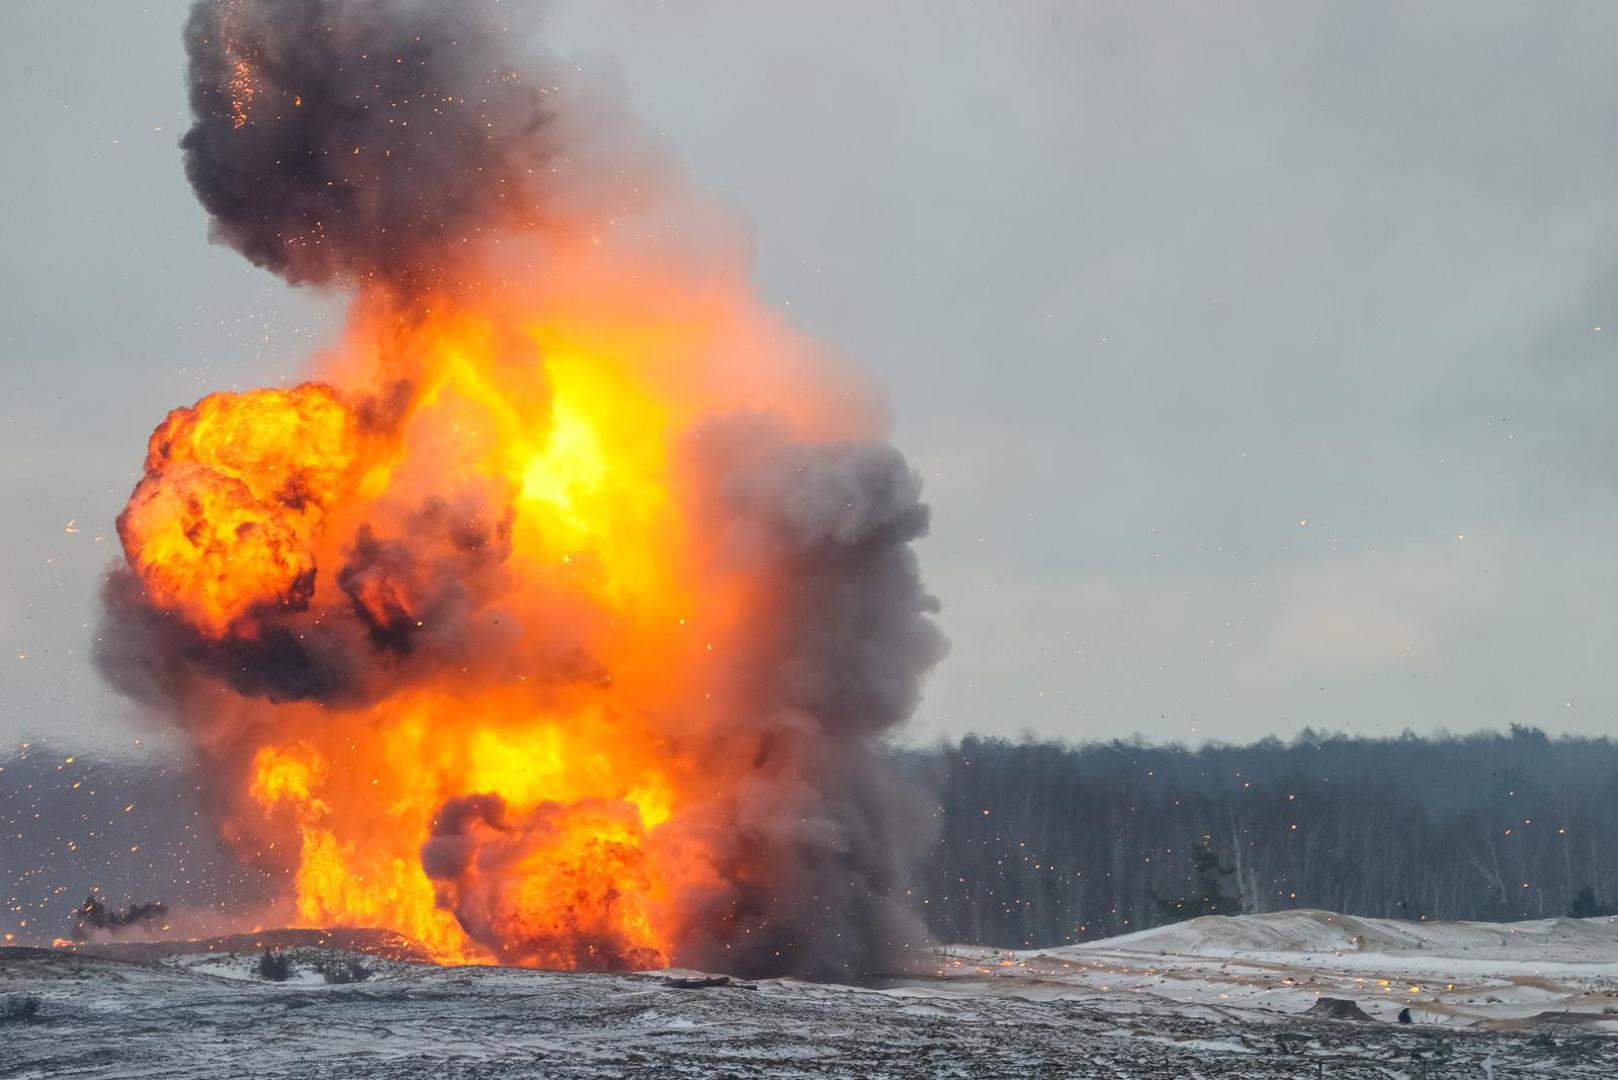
1211, 998
1494, 975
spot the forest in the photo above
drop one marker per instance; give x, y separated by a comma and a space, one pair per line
1035, 843
1041, 844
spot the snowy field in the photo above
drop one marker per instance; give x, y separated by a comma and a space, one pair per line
1211, 998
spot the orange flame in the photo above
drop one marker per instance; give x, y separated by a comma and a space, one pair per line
234, 490
567, 425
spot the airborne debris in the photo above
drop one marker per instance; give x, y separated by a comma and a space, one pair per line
93, 916
1330, 1008
707, 982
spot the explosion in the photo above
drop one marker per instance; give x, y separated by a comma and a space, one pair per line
558, 620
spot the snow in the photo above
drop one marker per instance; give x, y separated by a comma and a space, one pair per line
1314, 932
1492, 974
1212, 998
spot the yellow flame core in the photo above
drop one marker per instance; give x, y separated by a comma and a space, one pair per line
582, 449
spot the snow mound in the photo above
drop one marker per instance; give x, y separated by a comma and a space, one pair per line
1315, 932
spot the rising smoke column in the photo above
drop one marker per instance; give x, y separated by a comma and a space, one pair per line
560, 622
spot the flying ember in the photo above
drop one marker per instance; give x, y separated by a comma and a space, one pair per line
557, 616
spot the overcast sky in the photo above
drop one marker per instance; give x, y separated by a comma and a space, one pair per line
1251, 352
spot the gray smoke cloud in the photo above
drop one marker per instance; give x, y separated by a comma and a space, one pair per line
836, 661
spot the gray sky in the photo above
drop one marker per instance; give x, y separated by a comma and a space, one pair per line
1249, 351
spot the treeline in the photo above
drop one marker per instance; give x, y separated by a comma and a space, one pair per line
1038, 843
1043, 843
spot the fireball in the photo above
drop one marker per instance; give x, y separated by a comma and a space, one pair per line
558, 618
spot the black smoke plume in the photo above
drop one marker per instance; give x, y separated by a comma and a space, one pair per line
837, 661
355, 140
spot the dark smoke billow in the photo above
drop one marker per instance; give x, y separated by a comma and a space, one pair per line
837, 663
386, 147
363, 140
